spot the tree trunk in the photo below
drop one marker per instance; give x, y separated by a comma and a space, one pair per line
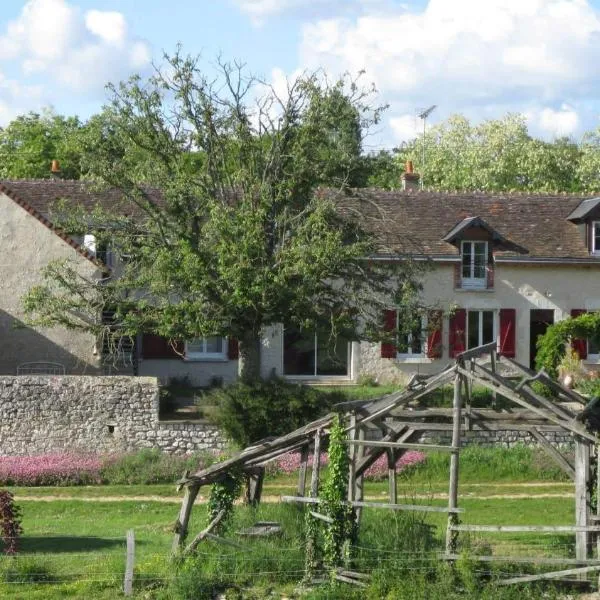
250, 356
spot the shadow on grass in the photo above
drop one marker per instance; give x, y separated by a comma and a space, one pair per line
56, 544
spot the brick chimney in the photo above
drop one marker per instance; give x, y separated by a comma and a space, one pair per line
55, 168
410, 179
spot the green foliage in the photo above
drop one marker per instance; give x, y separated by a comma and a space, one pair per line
340, 534
238, 234
248, 412
30, 143
223, 494
551, 347
151, 466
500, 155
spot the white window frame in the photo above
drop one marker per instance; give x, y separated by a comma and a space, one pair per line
495, 317
473, 283
424, 339
595, 250
195, 354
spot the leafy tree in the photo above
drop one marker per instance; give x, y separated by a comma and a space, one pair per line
238, 237
30, 143
499, 155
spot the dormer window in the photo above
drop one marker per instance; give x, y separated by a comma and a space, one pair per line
474, 258
595, 249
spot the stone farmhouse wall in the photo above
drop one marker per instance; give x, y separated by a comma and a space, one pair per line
42, 414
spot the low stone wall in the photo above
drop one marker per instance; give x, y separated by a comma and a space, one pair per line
504, 438
42, 414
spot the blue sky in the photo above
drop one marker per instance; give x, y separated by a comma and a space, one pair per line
482, 58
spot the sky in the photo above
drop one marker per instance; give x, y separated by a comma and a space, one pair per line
480, 58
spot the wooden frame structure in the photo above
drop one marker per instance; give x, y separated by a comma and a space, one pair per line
392, 425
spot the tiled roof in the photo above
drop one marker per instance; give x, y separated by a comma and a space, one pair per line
416, 222
41, 194
406, 222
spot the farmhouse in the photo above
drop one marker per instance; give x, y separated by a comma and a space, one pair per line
497, 267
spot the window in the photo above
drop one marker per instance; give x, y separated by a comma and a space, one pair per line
203, 348
412, 334
595, 237
474, 262
310, 354
481, 328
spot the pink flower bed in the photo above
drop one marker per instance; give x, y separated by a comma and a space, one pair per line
290, 463
50, 469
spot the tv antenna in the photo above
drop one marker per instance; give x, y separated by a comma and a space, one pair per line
423, 116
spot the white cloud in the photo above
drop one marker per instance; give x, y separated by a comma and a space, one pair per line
110, 26
471, 56
55, 41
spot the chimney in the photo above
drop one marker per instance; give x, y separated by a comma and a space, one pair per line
55, 168
410, 179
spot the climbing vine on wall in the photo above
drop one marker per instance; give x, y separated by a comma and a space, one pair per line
10, 522
552, 345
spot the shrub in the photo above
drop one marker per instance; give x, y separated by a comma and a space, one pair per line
10, 522
50, 469
248, 412
150, 466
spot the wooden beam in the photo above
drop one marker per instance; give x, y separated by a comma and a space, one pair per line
129, 564
582, 497
451, 537
208, 529
528, 528
494, 382
321, 517
535, 560
352, 459
181, 525
302, 470
316, 466
553, 452
476, 352
364, 463
402, 445
385, 506
254, 486
391, 464
553, 575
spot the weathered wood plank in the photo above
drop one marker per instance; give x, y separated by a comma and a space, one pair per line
553, 575
582, 496
129, 564
562, 462
181, 525
302, 470
403, 445
535, 560
208, 529
316, 466
364, 463
527, 528
476, 352
385, 506
351, 580
451, 537
321, 517
391, 465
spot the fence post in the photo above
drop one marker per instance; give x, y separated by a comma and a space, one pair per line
129, 562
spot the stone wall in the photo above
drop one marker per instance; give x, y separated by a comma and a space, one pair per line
42, 414
503, 438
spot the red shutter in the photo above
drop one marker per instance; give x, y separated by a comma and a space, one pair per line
508, 330
233, 349
579, 345
388, 350
434, 339
457, 333
155, 346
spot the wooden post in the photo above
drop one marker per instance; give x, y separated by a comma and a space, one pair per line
359, 483
582, 497
181, 526
129, 563
391, 460
451, 536
254, 486
493, 369
352, 458
316, 465
302, 471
